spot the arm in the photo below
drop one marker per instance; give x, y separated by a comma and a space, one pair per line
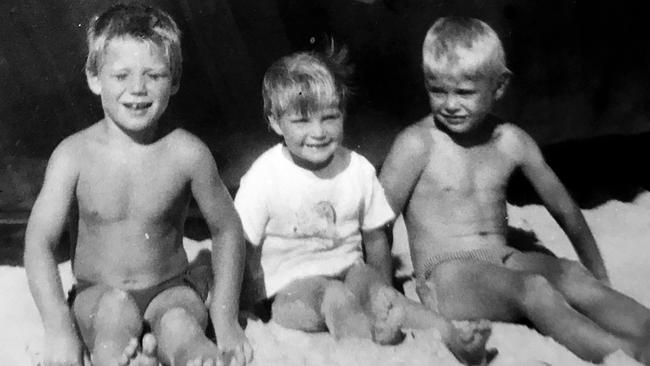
561, 206
228, 253
378, 254
44, 228
404, 165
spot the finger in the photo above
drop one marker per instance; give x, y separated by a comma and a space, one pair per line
237, 357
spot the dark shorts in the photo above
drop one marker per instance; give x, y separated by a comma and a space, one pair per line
197, 278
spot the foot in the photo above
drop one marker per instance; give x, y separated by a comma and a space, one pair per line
147, 355
144, 357
467, 342
343, 314
388, 317
199, 352
130, 353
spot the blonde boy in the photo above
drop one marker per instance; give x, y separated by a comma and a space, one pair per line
314, 214
131, 181
448, 175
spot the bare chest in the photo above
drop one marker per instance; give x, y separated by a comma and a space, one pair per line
455, 172
111, 189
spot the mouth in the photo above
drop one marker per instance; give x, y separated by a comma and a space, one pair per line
137, 106
319, 145
453, 119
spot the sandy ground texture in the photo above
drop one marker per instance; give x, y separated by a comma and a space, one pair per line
621, 228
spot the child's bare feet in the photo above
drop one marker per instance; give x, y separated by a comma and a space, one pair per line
467, 342
199, 352
343, 314
388, 316
145, 357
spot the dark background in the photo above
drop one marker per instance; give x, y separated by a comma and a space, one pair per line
579, 88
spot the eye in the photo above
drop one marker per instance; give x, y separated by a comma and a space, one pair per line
299, 120
155, 76
120, 76
466, 92
331, 116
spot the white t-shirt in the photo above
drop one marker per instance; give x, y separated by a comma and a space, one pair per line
301, 225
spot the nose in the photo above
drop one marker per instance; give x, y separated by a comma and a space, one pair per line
451, 104
138, 85
317, 130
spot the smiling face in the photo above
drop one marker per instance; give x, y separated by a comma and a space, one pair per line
134, 82
460, 103
312, 138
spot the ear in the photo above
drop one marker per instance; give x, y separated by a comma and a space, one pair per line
93, 83
175, 87
275, 125
502, 85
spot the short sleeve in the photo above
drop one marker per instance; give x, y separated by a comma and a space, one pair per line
377, 210
250, 203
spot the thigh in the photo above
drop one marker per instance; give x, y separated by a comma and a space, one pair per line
183, 297
298, 305
476, 290
100, 308
561, 272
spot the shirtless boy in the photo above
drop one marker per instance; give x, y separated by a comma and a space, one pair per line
311, 209
448, 175
131, 182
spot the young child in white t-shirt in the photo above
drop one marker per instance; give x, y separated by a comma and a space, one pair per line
314, 215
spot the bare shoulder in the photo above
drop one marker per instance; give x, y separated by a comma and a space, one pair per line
415, 140
514, 141
186, 146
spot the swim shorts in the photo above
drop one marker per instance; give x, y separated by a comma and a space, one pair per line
197, 278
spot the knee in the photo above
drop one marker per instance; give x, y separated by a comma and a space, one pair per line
297, 314
117, 308
176, 318
537, 291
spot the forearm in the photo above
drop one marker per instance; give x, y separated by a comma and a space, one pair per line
378, 257
228, 263
584, 243
45, 286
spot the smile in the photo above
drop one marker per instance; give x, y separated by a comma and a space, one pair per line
318, 146
137, 106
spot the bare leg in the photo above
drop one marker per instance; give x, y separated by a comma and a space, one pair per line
470, 290
317, 304
110, 324
612, 310
178, 318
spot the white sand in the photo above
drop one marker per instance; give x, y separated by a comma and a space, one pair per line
622, 231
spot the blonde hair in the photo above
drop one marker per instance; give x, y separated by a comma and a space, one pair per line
305, 82
463, 44
138, 21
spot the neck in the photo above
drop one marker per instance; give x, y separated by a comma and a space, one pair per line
477, 136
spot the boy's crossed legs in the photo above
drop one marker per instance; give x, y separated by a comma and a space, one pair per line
558, 296
111, 322
363, 306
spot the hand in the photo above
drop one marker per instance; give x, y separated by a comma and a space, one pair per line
63, 350
232, 341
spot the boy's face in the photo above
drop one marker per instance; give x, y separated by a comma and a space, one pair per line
460, 103
134, 82
311, 139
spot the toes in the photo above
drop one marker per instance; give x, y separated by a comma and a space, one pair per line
149, 345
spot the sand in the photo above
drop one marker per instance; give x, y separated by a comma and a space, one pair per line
622, 230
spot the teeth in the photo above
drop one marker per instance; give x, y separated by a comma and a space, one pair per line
137, 105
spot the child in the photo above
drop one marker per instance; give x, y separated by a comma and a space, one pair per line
448, 174
131, 181
308, 205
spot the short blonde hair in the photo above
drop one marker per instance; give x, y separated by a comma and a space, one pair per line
463, 44
305, 82
138, 21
